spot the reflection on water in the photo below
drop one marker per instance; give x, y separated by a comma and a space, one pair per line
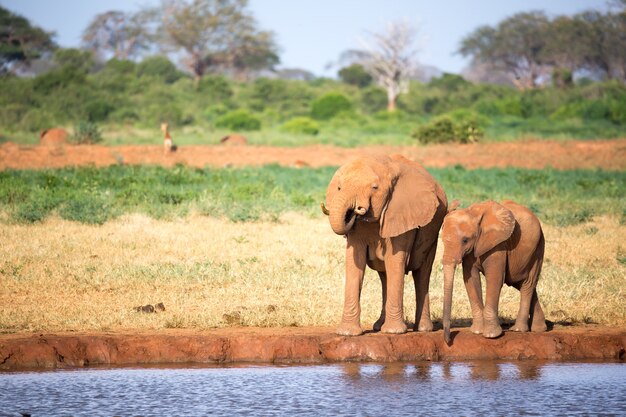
439, 388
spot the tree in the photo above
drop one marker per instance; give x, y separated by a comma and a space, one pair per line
117, 34
215, 34
77, 59
389, 57
21, 42
608, 40
355, 74
516, 45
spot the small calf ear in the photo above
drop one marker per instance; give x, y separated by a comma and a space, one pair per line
453, 205
496, 225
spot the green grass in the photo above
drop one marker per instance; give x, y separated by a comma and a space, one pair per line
95, 195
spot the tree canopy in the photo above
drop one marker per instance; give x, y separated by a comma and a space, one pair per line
117, 34
529, 46
20, 41
215, 34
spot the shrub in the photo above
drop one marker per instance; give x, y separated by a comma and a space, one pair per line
329, 105
393, 116
87, 209
159, 67
239, 120
449, 82
215, 87
302, 125
36, 120
459, 126
98, 110
86, 133
355, 74
373, 99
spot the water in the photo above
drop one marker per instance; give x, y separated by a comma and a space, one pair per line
459, 389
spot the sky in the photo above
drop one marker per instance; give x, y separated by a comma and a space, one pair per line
312, 34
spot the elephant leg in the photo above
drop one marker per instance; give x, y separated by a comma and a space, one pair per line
471, 278
526, 291
528, 299
395, 264
537, 318
381, 319
494, 274
355, 269
421, 279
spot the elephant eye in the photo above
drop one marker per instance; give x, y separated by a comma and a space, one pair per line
465, 240
375, 186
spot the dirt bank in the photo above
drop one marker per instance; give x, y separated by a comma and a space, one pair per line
607, 154
299, 345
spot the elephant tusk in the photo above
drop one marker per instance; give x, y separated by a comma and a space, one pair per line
324, 209
360, 211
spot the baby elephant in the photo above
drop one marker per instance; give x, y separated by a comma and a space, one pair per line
505, 242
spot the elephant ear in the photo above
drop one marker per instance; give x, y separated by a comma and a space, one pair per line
412, 201
496, 225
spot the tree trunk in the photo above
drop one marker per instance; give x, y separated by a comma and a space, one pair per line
391, 102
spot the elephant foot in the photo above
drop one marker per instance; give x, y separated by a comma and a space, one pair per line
477, 326
539, 326
379, 324
520, 327
349, 329
424, 325
394, 327
492, 331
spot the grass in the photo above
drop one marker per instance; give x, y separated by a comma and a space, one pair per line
59, 275
96, 195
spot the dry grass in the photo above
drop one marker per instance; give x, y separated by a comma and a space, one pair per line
61, 275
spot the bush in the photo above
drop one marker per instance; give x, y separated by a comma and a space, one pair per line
159, 67
355, 74
302, 125
36, 120
460, 126
373, 100
98, 110
239, 120
86, 133
87, 209
390, 116
215, 87
329, 105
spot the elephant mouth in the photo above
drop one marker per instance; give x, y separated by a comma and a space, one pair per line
352, 217
349, 217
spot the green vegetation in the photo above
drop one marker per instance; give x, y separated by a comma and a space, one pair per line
93, 195
302, 125
86, 132
238, 120
127, 100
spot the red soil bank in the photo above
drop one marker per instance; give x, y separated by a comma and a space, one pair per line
606, 154
300, 345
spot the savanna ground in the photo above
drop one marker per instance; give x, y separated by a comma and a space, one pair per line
247, 246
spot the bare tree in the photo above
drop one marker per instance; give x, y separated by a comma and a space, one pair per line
118, 34
390, 58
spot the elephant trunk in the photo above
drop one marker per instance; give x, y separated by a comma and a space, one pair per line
448, 283
342, 215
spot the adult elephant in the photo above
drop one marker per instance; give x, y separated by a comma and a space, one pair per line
390, 209
505, 242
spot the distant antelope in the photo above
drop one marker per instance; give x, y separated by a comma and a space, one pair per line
167, 139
